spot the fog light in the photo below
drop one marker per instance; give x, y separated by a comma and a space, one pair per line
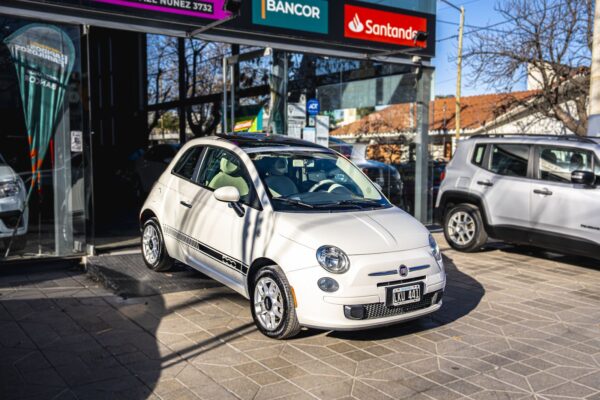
354, 312
328, 285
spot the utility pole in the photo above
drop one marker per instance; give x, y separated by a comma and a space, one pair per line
461, 30
594, 119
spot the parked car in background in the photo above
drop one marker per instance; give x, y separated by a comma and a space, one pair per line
340, 146
297, 229
437, 169
13, 203
152, 163
387, 177
535, 190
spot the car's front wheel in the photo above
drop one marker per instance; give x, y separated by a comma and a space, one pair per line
273, 306
464, 229
153, 247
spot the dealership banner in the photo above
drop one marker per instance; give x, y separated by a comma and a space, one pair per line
209, 9
44, 57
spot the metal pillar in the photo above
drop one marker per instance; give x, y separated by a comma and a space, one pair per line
422, 188
182, 89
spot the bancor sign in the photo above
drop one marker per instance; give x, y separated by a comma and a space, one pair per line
383, 26
303, 15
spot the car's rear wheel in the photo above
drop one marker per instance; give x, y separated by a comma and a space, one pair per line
464, 229
273, 307
154, 251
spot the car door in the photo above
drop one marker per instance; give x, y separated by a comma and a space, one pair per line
559, 207
181, 189
503, 184
224, 236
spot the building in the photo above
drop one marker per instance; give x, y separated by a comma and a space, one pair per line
104, 73
387, 134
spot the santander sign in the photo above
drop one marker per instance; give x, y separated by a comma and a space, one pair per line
383, 26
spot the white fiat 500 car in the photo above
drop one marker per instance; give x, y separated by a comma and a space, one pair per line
297, 229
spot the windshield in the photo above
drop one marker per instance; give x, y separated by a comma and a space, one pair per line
315, 182
2, 162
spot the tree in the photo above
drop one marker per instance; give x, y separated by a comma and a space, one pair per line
548, 42
162, 74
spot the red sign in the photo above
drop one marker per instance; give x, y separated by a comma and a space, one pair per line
383, 26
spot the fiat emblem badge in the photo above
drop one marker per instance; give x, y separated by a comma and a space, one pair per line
403, 270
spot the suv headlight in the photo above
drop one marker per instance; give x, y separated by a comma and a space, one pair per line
9, 189
333, 260
435, 251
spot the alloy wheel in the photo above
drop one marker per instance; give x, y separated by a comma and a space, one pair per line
151, 244
461, 228
268, 303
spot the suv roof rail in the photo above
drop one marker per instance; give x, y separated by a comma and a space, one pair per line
573, 138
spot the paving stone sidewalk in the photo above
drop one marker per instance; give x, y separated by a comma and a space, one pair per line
514, 326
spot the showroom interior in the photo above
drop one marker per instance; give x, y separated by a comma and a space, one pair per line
137, 81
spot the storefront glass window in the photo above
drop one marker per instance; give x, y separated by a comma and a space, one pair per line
426, 6
43, 204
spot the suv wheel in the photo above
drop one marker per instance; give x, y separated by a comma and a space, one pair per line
273, 304
153, 247
463, 228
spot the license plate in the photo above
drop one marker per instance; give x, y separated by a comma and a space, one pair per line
399, 296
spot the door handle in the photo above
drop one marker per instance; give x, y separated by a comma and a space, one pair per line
187, 205
543, 192
485, 183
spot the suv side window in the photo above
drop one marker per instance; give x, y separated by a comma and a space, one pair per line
223, 168
186, 166
597, 169
510, 159
556, 164
479, 154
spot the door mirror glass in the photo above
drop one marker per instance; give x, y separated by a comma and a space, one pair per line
227, 194
587, 178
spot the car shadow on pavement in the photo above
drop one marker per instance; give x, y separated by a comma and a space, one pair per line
462, 295
546, 255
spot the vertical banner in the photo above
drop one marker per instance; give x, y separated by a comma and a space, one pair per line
44, 57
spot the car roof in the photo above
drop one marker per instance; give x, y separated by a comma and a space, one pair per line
372, 164
538, 139
254, 141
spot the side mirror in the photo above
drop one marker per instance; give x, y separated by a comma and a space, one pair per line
227, 194
586, 178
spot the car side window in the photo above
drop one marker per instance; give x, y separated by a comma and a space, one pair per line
556, 164
223, 168
479, 154
186, 166
510, 159
597, 169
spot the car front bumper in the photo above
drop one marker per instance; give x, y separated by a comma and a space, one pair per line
9, 216
360, 301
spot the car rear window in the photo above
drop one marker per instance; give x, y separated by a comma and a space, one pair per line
510, 159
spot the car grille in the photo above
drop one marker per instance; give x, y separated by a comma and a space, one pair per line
380, 310
10, 219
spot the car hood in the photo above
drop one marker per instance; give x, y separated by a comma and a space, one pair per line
356, 233
7, 173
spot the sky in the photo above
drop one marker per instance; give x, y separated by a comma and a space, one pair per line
478, 13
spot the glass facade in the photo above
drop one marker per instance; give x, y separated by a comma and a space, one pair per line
424, 6
43, 204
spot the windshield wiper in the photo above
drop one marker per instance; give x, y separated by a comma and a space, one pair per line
293, 202
357, 202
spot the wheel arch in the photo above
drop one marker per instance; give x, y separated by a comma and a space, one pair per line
145, 216
254, 268
452, 198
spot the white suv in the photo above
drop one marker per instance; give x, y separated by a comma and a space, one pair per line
12, 204
535, 190
296, 228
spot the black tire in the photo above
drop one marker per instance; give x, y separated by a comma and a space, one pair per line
479, 236
288, 326
162, 262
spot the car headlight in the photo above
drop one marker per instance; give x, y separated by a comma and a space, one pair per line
435, 251
333, 260
9, 189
